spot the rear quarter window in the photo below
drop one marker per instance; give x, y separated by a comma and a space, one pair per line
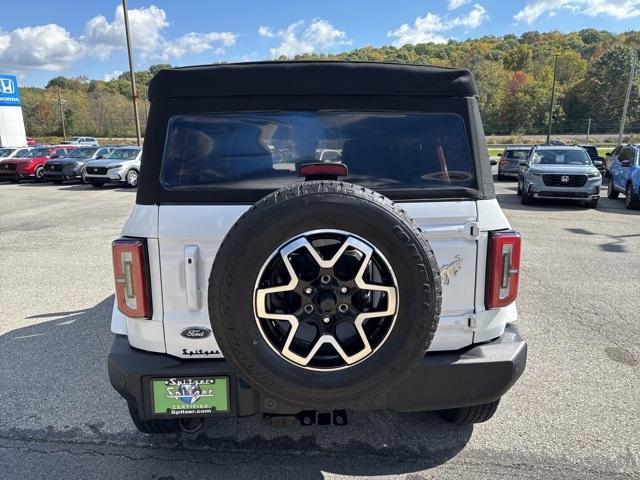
391, 152
520, 154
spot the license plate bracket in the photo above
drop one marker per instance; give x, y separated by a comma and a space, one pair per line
190, 396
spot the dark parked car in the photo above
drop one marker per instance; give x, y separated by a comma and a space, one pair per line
598, 161
72, 166
510, 160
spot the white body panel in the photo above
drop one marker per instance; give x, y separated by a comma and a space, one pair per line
184, 240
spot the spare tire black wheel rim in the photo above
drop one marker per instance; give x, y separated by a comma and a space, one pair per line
326, 300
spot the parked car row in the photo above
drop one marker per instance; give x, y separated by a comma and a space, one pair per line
572, 172
58, 163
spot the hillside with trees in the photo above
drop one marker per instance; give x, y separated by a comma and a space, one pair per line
514, 76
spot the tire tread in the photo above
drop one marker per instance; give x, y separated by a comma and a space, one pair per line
367, 195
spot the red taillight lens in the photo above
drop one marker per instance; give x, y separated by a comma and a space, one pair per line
130, 268
504, 268
331, 169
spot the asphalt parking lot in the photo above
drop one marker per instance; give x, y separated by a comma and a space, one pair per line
574, 413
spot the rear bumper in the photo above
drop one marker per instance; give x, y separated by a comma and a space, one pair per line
509, 170
472, 376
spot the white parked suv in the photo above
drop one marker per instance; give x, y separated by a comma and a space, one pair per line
13, 152
122, 166
84, 141
383, 279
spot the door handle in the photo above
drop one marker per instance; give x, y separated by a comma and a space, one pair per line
191, 262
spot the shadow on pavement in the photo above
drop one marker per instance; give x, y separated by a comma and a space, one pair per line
73, 186
56, 394
616, 244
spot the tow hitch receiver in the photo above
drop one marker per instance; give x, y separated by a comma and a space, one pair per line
308, 418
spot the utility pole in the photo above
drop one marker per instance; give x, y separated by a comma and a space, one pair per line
134, 94
553, 99
588, 129
60, 102
632, 75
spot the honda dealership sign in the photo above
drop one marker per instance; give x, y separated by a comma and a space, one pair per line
9, 94
12, 132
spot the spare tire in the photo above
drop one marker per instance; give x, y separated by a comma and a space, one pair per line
324, 295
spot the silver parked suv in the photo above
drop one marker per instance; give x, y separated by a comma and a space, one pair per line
559, 172
121, 166
509, 163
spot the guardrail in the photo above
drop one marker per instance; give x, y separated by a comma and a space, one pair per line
498, 146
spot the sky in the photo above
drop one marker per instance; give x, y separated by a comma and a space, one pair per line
40, 39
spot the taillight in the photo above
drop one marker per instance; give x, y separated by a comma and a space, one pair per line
504, 268
131, 271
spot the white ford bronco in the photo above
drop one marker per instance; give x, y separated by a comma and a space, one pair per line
311, 238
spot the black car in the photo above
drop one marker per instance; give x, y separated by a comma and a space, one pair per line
71, 167
597, 160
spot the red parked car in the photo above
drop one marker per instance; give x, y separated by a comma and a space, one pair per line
31, 166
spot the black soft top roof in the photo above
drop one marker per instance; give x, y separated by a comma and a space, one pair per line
312, 78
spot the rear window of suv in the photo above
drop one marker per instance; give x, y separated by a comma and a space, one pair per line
387, 151
521, 154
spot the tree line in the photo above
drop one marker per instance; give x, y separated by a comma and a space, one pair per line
514, 76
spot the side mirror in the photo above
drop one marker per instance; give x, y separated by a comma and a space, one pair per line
99, 156
608, 154
493, 162
55, 155
597, 163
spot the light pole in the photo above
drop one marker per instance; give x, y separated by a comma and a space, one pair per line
134, 94
60, 102
553, 99
632, 75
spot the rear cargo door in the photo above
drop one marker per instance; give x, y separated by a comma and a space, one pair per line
189, 237
452, 230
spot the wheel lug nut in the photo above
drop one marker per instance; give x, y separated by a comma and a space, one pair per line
326, 320
343, 308
325, 279
308, 308
344, 290
308, 291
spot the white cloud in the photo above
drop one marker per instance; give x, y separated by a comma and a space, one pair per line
433, 27
619, 9
51, 47
197, 43
295, 40
453, 4
146, 25
47, 47
267, 32
112, 76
